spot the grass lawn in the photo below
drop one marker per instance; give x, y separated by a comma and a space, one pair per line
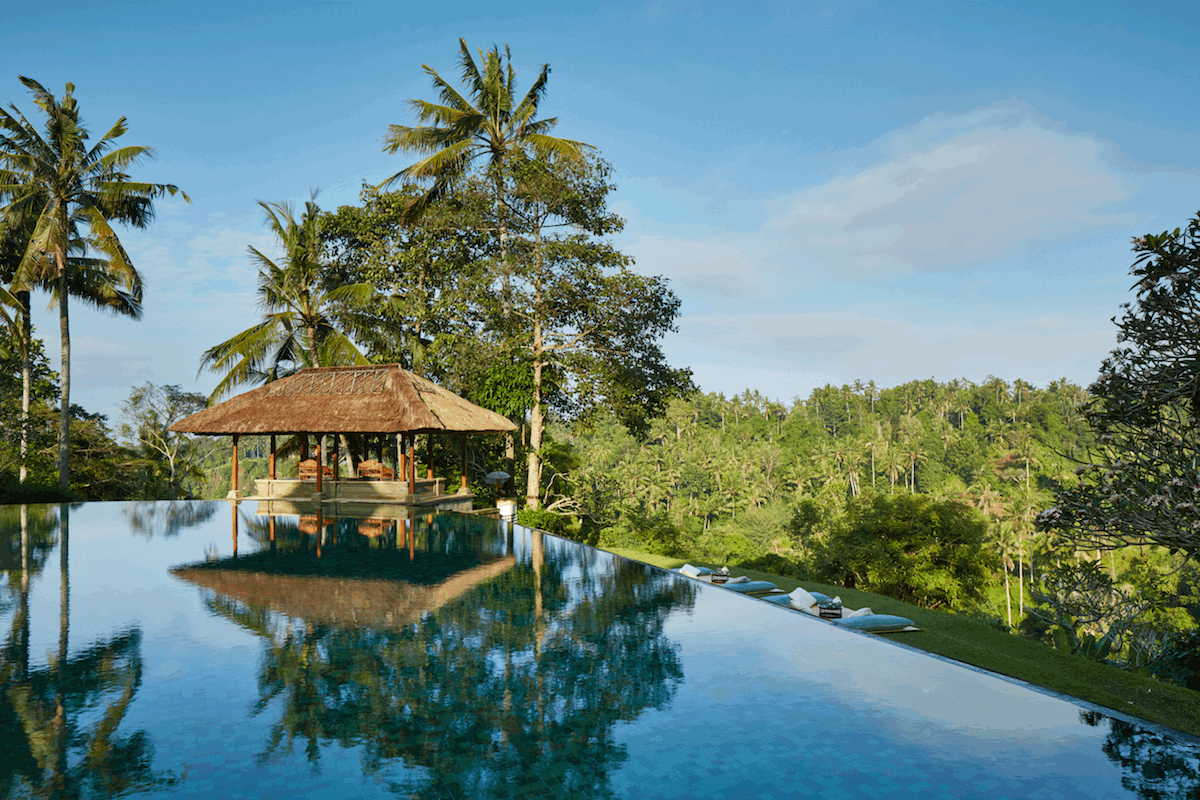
981, 645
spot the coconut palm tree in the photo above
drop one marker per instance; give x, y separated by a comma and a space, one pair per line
486, 122
893, 463
76, 193
1008, 545
306, 320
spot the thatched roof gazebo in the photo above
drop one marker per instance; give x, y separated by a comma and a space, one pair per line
377, 400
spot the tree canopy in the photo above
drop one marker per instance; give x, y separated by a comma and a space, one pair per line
1141, 484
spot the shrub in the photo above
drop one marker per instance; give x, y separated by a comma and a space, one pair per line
911, 547
544, 520
774, 564
653, 533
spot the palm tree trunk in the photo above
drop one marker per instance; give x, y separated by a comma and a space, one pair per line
1007, 596
502, 224
64, 414
533, 484
26, 379
1021, 574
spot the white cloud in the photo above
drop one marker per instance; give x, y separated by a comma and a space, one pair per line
720, 266
949, 193
954, 192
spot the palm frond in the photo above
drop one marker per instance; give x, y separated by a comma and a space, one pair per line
469, 69
103, 239
450, 97
11, 310
337, 348
527, 109
552, 147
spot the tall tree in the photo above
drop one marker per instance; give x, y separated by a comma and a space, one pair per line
592, 323
149, 413
76, 192
309, 317
1140, 484
489, 123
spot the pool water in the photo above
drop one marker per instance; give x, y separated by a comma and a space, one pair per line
192, 649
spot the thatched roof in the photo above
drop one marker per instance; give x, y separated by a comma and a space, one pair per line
364, 399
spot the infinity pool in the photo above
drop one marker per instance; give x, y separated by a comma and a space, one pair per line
193, 650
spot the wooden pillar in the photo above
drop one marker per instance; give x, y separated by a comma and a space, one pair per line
235, 529
304, 447
462, 440
429, 456
401, 464
411, 475
237, 488
320, 470
271, 463
337, 456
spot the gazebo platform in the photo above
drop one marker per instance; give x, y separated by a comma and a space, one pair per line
429, 493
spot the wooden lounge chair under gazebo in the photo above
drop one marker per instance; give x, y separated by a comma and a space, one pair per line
382, 401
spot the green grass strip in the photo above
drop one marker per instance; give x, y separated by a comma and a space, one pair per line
979, 644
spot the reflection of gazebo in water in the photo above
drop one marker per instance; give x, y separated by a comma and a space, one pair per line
385, 587
385, 403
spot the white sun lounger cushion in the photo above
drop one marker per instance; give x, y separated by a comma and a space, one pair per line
738, 579
694, 572
802, 600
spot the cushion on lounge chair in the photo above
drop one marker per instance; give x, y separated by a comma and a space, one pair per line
750, 587
694, 572
821, 597
875, 623
738, 579
778, 599
859, 612
802, 598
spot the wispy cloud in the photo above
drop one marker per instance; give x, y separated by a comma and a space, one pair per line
949, 193
954, 192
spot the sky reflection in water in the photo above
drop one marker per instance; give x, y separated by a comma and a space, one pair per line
451, 657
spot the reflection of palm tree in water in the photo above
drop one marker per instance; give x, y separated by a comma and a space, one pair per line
1155, 766
525, 675
46, 751
166, 517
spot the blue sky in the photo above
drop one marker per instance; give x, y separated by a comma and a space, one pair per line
836, 191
